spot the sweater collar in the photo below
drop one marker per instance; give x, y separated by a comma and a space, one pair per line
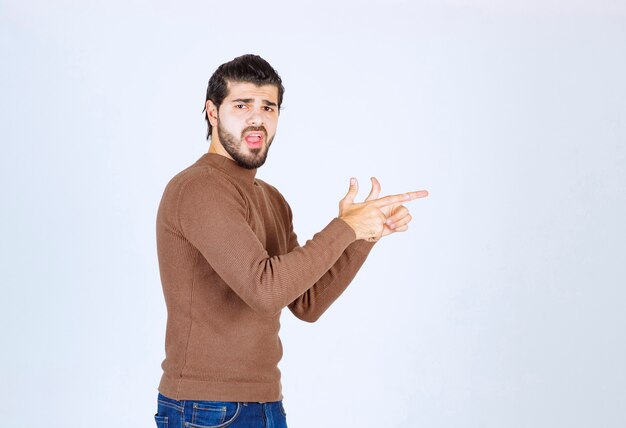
229, 166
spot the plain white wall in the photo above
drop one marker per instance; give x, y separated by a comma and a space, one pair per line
501, 307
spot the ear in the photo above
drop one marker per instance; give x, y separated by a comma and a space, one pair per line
211, 112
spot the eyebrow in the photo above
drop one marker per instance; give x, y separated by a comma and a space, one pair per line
250, 100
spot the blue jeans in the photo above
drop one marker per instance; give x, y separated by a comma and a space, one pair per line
218, 414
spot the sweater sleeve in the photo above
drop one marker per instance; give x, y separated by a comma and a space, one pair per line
213, 217
313, 302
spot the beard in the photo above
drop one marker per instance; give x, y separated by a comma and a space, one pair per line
233, 146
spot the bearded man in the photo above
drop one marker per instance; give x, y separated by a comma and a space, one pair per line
230, 261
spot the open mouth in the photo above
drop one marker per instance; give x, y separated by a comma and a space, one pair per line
254, 140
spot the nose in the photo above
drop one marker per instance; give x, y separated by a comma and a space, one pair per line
255, 118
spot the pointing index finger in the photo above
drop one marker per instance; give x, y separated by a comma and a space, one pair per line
403, 197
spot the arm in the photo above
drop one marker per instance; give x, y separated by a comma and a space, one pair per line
213, 217
314, 302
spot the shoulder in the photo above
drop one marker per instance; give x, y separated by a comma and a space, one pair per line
202, 179
200, 185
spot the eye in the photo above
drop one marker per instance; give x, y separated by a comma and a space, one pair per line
268, 108
240, 106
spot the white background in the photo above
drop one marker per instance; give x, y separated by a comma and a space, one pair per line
503, 306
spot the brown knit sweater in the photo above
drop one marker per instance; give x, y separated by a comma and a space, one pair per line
229, 262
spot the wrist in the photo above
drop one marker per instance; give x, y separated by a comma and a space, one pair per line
347, 222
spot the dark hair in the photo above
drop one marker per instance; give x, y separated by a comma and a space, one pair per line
245, 69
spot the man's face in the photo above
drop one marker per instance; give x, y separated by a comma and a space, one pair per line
246, 123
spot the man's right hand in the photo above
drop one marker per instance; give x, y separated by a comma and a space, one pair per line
367, 218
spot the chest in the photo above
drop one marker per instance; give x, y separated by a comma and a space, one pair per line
269, 220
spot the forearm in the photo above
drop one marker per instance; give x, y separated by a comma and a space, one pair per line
314, 302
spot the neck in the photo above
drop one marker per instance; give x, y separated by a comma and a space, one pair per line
217, 148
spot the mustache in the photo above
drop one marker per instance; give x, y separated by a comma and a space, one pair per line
255, 128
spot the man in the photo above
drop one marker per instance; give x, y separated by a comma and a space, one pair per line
230, 261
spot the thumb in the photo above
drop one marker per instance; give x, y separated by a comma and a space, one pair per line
352, 191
